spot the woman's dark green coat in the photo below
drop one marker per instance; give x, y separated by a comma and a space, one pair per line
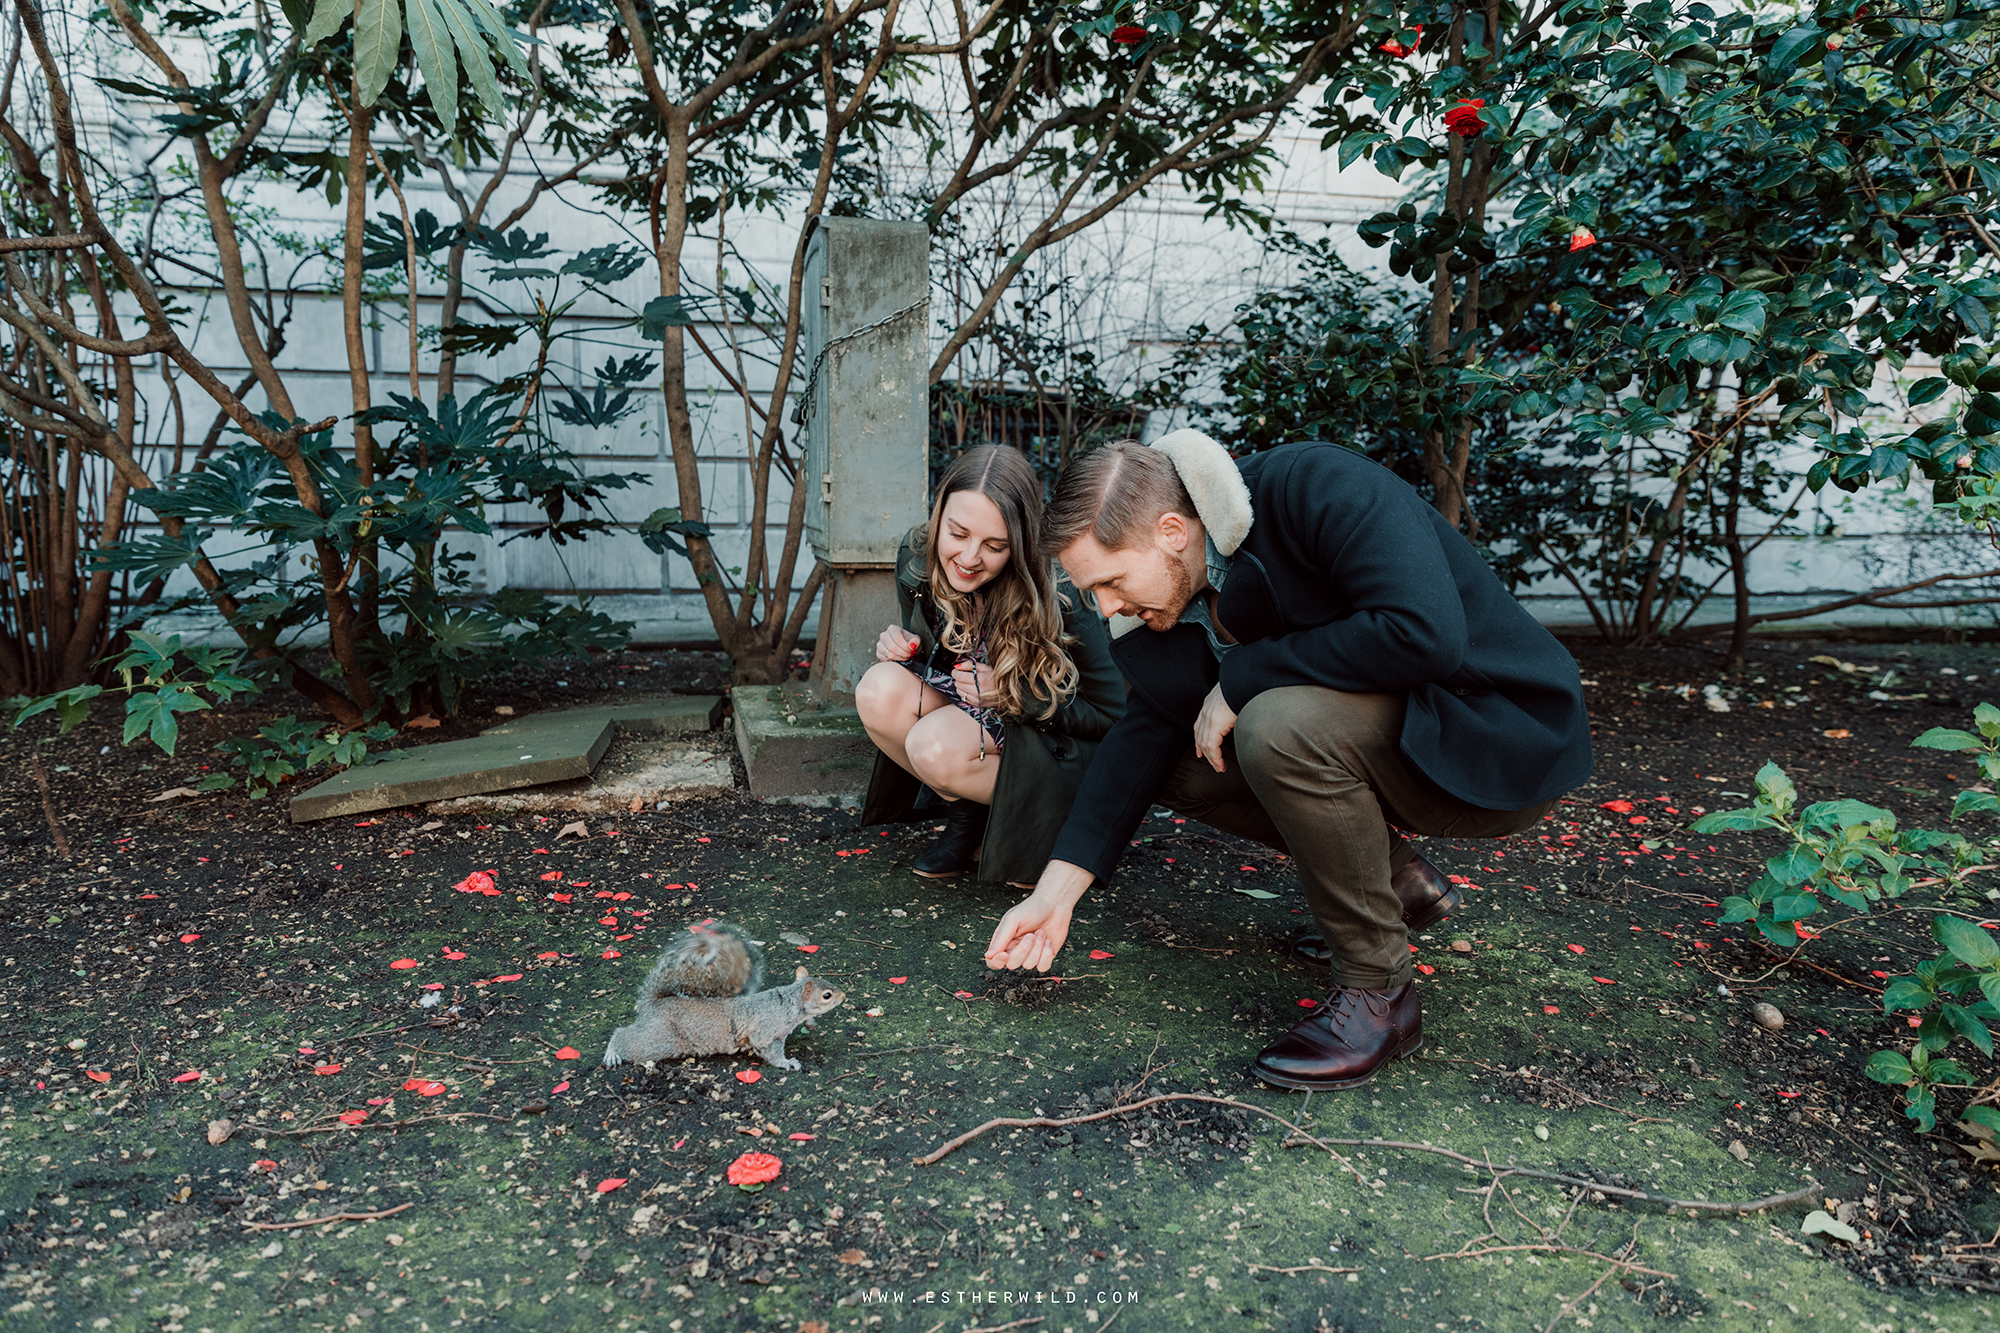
1043, 760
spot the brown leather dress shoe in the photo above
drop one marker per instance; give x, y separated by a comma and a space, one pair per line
1427, 898
1346, 1041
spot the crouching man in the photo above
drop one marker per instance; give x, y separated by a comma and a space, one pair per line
1324, 661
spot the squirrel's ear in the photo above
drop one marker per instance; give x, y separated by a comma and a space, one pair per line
803, 974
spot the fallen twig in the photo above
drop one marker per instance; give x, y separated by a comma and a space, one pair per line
1550, 1249
1052, 1122
1302, 1268
1569, 1307
1554, 1083
1301, 1138
48, 806
382, 1124
330, 1217
1637, 1196
1018, 1323
467, 1059
1785, 960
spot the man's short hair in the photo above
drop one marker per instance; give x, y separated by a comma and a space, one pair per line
1114, 495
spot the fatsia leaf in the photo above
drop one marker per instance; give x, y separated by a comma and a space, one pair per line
437, 57
378, 43
327, 16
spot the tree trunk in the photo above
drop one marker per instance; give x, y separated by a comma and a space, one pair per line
1739, 572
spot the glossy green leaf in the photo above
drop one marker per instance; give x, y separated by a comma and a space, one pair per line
1968, 943
1891, 1068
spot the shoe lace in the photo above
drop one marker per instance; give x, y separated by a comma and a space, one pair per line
1345, 1001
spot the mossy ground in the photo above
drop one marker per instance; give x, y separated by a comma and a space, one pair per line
117, 1213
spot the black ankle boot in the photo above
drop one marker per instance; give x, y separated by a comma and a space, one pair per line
958, 846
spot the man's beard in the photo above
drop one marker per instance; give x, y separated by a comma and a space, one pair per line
1165, 618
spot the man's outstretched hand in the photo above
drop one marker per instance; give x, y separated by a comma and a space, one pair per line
1034, 929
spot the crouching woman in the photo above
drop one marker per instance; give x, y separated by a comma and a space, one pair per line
988, 700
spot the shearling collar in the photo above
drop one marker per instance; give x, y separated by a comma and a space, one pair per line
1221, 499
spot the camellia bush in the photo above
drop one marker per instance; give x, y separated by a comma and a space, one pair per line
1848, 855
1662, 251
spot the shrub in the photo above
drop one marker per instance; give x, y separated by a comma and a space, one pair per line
1855, 856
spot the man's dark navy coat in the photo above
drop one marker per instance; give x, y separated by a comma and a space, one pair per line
1349, 580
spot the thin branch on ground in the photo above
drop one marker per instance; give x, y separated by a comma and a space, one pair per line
1301, 1138
1554, 1083
1053, 1122
1637, 1196
1569, 1307
1550, 1249
48, 806
1302, 1268
330, 1217
384, 1124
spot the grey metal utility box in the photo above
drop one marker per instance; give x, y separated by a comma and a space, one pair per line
867, 411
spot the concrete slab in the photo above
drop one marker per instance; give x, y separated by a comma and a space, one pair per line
636, 773
558, 746
794, 747
668, 715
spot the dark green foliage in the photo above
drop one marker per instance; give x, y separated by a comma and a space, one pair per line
1854, 855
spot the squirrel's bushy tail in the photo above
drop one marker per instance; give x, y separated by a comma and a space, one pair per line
713, 960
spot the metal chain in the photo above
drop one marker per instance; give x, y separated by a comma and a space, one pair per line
803, 412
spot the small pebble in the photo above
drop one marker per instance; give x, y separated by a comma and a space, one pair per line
1767, 1016
1461, 946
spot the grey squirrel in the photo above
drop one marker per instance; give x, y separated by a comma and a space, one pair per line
701, 998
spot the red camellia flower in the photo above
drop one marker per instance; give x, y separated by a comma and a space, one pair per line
1581, 238
1128, 34
754, 1168
479, 881
1464, 118
1398, 50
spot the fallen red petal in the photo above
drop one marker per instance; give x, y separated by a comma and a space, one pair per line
188, 1077
1101, 954
189, 939
569, 1053
326, 1069
747, 1076
404, 964
97, 1076
610, 1183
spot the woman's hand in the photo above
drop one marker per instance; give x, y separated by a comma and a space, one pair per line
975, 684
896, 644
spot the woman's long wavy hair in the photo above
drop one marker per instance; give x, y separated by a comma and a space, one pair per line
1019, 612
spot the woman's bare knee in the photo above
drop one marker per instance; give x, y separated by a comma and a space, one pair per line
886, 696
937, 749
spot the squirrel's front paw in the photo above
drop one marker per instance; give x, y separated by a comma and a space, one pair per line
611, 1060
789, 1065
